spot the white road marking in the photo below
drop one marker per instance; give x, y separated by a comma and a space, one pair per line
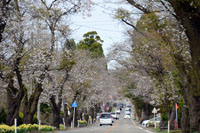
148, 131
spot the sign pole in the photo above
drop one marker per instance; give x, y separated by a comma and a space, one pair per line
154, 111
74, 105
74, 117
176, 107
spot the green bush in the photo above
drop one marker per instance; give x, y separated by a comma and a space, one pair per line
61, 127
45, 107
25, 128
82, 121
35, 120
164, 116
47, 128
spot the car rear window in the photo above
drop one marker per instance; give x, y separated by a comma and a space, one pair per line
128, 114
105, 116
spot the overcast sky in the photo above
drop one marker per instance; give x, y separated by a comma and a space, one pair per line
101, 20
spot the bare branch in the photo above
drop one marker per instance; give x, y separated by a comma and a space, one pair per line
138, 6
172, 13
52, 4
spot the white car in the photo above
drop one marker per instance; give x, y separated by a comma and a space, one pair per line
127, 112
105, 119
127, 109
115, 115
145, 122
97, 117
118, 111
127, 115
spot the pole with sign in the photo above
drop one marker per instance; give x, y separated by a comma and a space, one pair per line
154, 111
74, 105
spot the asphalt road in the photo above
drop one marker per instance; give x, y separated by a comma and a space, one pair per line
120, 126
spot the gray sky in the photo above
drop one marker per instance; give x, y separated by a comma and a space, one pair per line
101, 20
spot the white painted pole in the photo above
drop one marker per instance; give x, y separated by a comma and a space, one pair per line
78, 124
168, 125
74, 117
39, 124
154, 120
38, 112
15, 125
64, 122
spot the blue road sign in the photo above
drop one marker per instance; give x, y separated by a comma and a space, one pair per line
74, 104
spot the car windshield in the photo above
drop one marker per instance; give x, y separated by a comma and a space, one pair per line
105, 116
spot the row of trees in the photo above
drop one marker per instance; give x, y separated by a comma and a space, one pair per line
165, 54
39, 63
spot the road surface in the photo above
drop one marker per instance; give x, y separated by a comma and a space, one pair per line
119, 126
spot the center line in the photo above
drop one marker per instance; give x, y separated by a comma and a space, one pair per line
107, 131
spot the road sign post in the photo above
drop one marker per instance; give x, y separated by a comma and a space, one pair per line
74, 105
154, 111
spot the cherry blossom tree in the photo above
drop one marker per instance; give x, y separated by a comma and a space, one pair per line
183, 12
21, 57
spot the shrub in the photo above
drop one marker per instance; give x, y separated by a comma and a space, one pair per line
82, 121
25, 128
35, 120
47, 128
61, 127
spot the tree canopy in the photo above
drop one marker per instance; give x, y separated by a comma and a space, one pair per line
93, 43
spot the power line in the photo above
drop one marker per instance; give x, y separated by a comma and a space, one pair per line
97, 28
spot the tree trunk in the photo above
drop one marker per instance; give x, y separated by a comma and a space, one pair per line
14, 98
185, 121
56, 119
56, 107
30, 107
66, 116
172, 116
194, 113
190, 19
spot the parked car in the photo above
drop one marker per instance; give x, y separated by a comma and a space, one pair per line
98, 115
115, 115
118, 111
145, 123
128, 106
105, 119
127, 115
127, 109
